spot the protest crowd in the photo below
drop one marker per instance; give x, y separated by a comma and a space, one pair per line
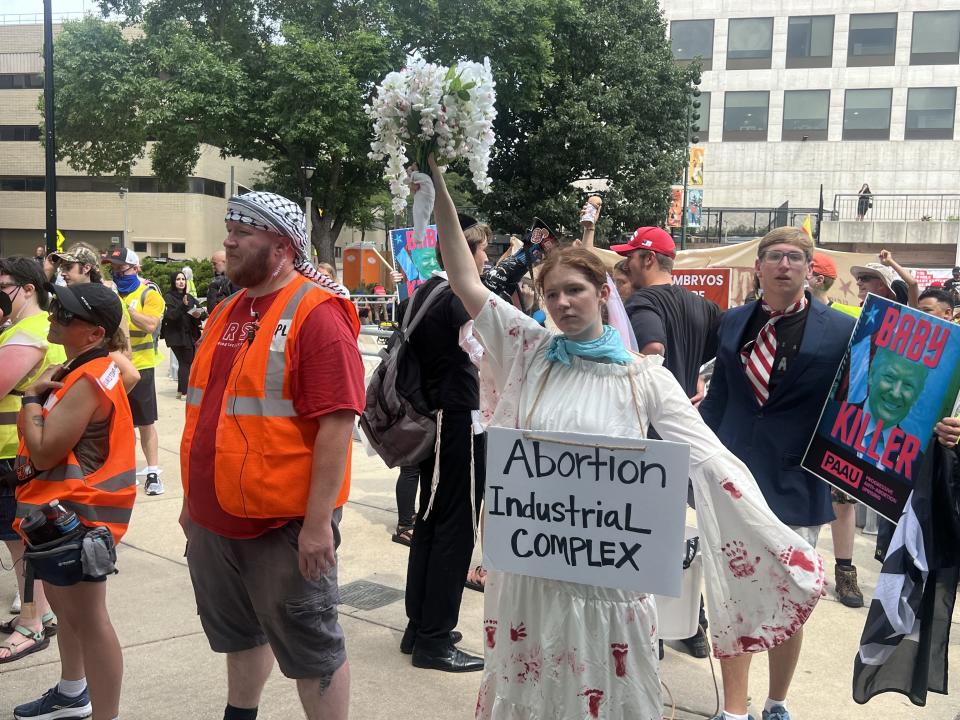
598, 357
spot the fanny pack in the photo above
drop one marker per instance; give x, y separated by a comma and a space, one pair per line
84, 554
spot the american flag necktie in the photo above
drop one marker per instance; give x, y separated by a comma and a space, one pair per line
758, 355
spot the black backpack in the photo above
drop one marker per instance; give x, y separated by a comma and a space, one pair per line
397, 419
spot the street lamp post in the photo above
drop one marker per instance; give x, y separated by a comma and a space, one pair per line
123, 196
50, 149
308, 171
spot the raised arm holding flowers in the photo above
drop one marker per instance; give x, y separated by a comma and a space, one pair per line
428, 109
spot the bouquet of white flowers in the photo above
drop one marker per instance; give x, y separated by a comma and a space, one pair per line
427, 108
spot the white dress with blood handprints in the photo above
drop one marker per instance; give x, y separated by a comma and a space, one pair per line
560, 650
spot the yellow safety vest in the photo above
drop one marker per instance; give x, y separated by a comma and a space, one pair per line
144, 353
36, 327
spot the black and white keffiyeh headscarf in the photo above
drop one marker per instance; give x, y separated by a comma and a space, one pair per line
275, 213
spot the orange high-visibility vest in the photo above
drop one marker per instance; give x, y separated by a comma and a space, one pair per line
264, 451
106, 496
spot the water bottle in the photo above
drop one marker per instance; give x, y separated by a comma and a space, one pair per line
64, 519
38, 529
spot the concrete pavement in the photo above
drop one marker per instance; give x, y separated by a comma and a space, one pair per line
171, 672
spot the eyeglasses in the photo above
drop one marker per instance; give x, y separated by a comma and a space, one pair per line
5, 285
60, 314
862, 279
774, 257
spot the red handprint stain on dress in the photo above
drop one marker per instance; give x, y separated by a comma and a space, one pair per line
514, 331
796, 558
490, 628
594, 698
750, 643
619, 652
518, 633
732, 489
529, 665
740, 563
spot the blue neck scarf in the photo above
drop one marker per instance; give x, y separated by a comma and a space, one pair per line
606, 348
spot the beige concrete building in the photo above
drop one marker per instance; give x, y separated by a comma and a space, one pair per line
95, 209
799, 93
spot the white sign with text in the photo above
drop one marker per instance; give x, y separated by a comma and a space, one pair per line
586, 508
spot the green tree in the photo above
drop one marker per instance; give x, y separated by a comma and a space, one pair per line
584, 90
283, 83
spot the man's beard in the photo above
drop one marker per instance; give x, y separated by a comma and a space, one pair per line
252, 270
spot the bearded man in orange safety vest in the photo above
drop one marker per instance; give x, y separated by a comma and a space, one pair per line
265, 461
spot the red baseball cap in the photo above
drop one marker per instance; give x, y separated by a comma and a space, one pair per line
654, 239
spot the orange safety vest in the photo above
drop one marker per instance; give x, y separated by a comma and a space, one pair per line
264, 450
105, 497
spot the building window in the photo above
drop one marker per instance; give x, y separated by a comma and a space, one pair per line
810, 41
866, 115
936, 38
704, 122
21, 183
692, 40
873, 39
139, 247
179, 248
745, 116
19, 132
930, 113
20, 81
806, 114
749, 43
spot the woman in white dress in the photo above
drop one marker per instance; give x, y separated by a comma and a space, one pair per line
558, 650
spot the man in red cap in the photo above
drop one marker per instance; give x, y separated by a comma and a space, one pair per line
667, 319
671, 321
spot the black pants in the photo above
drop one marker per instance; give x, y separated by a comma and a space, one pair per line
443, 542
407, 483
184, 355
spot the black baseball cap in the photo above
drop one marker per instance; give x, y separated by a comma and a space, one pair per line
91, 302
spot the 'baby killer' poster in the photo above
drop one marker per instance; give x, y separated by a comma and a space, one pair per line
899, 378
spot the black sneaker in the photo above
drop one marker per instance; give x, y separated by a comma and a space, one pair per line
698, 646
54, 705
153, 485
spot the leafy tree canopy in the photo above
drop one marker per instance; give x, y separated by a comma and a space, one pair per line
584, 90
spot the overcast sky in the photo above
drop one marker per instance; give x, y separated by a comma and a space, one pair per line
36, 6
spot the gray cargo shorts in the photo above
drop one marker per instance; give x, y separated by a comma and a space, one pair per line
250, 593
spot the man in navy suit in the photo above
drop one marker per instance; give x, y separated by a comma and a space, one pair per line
776, 362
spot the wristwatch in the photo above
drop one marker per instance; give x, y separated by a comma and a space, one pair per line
27, 399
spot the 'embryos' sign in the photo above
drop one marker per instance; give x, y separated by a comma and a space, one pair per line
585, 508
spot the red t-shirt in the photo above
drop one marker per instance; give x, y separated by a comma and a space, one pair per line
326, 375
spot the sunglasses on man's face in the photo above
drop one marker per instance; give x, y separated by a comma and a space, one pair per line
62, 316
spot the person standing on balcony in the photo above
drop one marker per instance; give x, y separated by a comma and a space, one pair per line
864, 202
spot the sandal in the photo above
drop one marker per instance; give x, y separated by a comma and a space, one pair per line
403, 535
476, 579
49, 621
40, 641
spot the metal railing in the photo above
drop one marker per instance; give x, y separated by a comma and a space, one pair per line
727, 225
37, 18
375, 309
893, 207
379, 336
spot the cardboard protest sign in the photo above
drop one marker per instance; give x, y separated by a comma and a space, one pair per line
585, 508
711, 283
898, 379
416, 261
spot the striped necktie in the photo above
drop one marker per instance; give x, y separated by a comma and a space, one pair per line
758, 355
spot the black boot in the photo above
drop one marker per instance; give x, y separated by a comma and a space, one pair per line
444, 655
410, 638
